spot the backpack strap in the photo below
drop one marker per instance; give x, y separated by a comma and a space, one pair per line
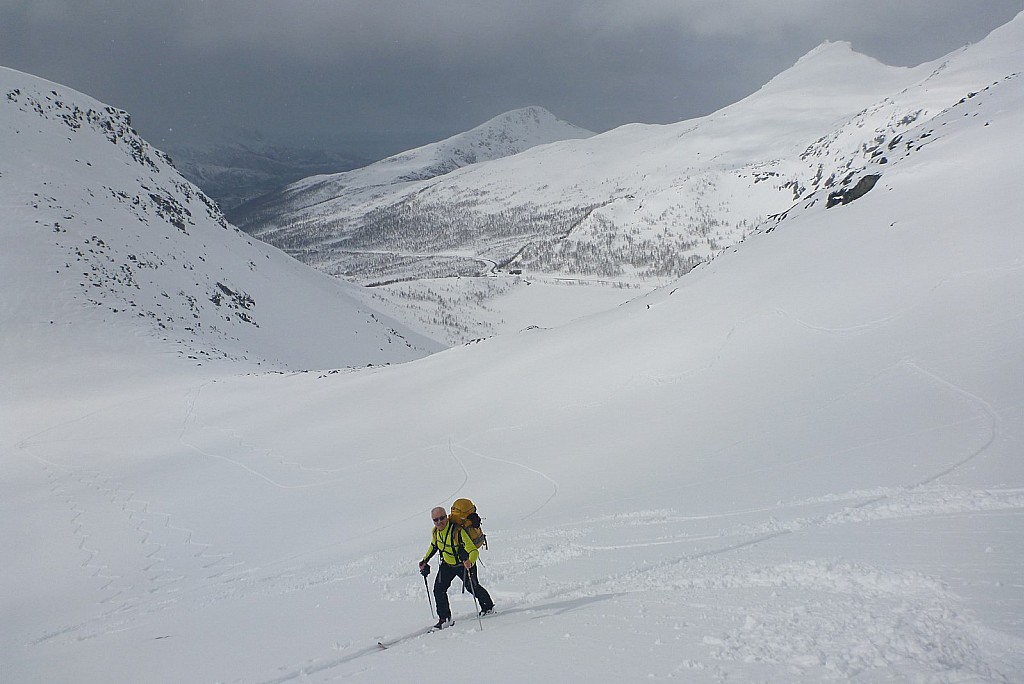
458, 545
448, 541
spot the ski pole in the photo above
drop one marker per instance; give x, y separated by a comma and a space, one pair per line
426, 571
472, 590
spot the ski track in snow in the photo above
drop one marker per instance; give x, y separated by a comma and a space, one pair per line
993, 416
465, 475
893, 499
887, 619
323, 476
985, 409
836, 618
163, 556
551, 481
839, 618
894, 617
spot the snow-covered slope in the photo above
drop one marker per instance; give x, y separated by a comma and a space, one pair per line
801, 462
98, 223
502, 136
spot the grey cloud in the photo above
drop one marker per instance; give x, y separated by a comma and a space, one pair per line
384, 75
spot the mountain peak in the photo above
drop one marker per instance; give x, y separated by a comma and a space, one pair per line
530, 116
830, 63
507, 134
827, 49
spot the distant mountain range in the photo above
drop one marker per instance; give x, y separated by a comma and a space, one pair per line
287, 218
523, 198
638, 204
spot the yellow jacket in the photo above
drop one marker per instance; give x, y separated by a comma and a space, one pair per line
447, 542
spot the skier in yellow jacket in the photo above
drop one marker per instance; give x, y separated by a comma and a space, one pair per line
458, 559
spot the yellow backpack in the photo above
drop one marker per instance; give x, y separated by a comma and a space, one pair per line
465, 516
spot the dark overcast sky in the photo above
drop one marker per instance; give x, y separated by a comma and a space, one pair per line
379, 76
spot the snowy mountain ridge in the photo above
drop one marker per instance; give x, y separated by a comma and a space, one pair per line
642, 203
502, 136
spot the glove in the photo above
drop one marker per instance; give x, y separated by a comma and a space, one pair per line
424, 568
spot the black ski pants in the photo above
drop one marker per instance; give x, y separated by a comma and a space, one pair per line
445, 575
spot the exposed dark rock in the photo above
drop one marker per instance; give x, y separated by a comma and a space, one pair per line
847, 195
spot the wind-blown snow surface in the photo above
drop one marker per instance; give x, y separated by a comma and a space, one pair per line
801, 462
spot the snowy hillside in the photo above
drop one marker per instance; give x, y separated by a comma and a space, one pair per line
800, 462
301, 206
97, 222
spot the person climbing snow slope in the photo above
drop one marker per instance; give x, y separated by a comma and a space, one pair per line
458, 559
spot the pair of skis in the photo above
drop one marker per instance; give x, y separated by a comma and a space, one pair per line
425, 571
394, 642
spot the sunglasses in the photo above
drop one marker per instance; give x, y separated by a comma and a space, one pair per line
443, 517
